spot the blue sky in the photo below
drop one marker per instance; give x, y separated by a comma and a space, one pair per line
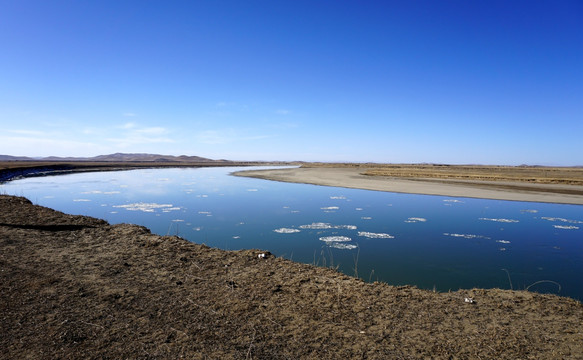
490, 82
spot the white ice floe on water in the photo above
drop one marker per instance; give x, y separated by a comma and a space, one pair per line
295, 211
286, 231
529, 211
499, 220
145, 207
204, 212
566, 227
502, 249
467, 236
358, 209
503, 241
340, 197
562, 220
335, 238
177, 220
316, 226
324, 226
330, 208
252, 190
347, 227
372, 235
415, 220
100, 192
342, 246
175, 208
366, 218
236, 237
453, 201
81, 200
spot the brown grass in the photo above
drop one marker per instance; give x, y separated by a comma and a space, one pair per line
528, 174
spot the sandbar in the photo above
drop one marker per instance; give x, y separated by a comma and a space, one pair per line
353, 178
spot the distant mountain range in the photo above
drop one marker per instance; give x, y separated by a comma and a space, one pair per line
117, 157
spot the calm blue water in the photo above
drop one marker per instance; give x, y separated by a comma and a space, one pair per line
429, 241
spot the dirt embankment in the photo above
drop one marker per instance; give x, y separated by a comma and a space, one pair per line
76, 287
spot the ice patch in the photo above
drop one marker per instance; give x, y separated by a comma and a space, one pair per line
453, 201
252, 190
330, 208
236, 237
529, 211
295, 211
286, 231
145, 207
328, 239
341, 197
500, 220
502, 249
177, 220
316, 226
372, 235
342, 246
358, 209
204, 212
324, 226
566, 227
503, 241
170, 209
415, 219
467, 236
562, 220
366, 218
81, 200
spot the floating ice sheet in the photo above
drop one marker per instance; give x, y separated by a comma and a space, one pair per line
373, 235
330, 208
561, 220
145, 207
467, 236
415, 219
453, 201
81, 200
529, 211
503, 241
336, 238
566, 227
340, 197
342, 246
324, 226
499, 220
286, 231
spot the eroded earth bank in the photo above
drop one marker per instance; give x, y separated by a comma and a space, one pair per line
76, 287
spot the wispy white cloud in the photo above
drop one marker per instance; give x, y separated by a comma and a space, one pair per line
226, 136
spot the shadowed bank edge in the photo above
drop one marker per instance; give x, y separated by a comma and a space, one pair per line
75, 286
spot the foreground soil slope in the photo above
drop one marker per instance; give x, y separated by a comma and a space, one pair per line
76, 287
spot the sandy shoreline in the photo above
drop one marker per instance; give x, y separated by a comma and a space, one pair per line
353, 178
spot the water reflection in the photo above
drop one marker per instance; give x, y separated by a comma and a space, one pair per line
428, 241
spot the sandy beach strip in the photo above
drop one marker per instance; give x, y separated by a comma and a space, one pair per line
353, 178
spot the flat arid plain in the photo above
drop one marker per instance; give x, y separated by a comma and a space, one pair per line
563, 185
78, 287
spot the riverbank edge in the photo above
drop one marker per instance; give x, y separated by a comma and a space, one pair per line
77, 286
353, 178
